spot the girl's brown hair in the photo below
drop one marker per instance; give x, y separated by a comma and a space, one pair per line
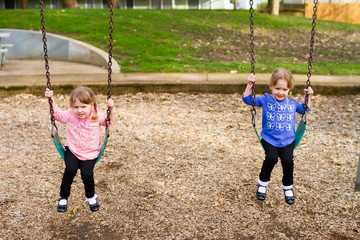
86, 96
282, 73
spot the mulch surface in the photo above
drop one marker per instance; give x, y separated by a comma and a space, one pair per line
181, 166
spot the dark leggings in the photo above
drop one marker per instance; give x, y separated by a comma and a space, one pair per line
272, 154
87, 174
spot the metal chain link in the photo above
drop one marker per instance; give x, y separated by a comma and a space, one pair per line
311, 49
252, 52
46, 58
111, 21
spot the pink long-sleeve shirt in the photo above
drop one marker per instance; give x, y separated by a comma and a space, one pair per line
82, 138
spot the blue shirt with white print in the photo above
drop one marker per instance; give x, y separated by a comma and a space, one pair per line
278, 118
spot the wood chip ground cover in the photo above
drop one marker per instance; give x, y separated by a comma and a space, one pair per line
180, 166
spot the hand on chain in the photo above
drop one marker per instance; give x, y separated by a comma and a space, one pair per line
49, 93
251, 78
309, 91
110, 103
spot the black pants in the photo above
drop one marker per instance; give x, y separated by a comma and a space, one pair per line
272, 154
87, 174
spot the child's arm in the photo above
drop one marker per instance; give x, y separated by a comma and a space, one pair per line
59, 115
308, 91
110, 105
251, 81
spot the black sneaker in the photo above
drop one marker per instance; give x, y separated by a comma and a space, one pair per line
261, 195
61, 206
289, 196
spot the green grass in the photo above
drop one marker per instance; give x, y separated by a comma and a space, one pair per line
203, 41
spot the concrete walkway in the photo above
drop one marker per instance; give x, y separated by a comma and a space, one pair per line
32, 73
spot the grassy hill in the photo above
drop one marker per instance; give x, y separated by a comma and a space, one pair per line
203, 41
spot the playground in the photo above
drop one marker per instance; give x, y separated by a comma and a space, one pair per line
181, 166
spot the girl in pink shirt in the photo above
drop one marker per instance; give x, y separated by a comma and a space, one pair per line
83, 137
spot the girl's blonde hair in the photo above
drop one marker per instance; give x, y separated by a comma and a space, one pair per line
282, 73
86, 96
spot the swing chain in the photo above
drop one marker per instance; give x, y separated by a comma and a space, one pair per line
312, 39
252, 37
311, 49
46, 58
252, 52
111, 21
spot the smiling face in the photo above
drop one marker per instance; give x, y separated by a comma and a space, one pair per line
82, 110
280, 90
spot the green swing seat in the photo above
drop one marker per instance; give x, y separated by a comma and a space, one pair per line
299, 133
59, 146
61, 150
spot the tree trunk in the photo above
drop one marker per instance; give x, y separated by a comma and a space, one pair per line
70, 4
116, 3
274, 7
24, 4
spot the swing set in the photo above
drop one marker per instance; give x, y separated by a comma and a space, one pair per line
54, 129
300, 130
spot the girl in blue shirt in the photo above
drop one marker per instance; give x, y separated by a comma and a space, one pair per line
278, 129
